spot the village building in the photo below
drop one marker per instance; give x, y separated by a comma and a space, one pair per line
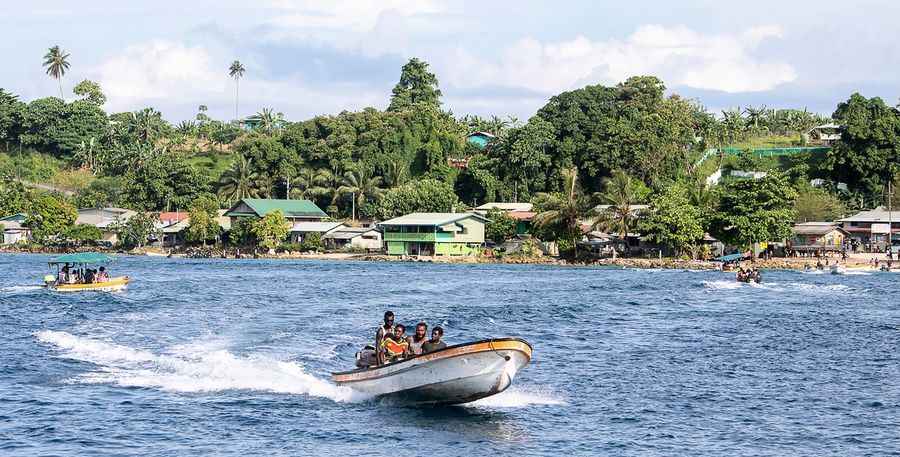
13, 230
173, 227
817, 237
294, 210
825, 134
300, 230
521, 212
870, 229
480, 140
430, 234
106, 220
353, 237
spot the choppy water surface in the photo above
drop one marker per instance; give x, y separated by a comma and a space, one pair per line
232, 358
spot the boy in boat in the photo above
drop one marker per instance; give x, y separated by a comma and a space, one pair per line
102, 276
386, 329
394, 346
435, 343
418, 339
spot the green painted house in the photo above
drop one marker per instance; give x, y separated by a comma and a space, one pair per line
432, 234
294, 210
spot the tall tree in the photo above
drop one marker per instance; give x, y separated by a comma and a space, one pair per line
236, 71
564, 212
621, 193
90, 91
203, 225
239, 180
673, 221
755, 210
56, 61
417, 85
362, 186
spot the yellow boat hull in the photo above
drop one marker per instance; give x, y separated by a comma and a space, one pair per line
112, 285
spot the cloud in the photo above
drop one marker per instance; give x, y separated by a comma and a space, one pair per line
679, 55
175, 78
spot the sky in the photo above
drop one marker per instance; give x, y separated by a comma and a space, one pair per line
505, 58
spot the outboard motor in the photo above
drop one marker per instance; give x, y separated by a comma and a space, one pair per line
366, 357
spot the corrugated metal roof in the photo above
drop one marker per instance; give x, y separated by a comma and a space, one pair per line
432, 218
290, 208
878, 214
506, 206
321, 227
348, 233
815, 228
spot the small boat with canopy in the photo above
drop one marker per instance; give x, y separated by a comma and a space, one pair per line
74, 273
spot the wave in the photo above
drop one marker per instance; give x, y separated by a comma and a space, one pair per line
519, 397
777, 287
721, 284
12, 290
192, 369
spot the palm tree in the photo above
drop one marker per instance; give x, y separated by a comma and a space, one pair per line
564, 212
56, 61
236, 71
621, 196
361, 185
269, 120
395, 174
239, 181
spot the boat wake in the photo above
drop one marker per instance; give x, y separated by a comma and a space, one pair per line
778, 287
13, 290
519, 397
191, 369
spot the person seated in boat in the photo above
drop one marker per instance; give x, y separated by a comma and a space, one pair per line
63, 274
394, 346
89, 276
102, 275
385, 329
435, 343
417, 339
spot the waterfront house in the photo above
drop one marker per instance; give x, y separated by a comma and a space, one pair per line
353, 237
301, 230
431, 234
13, 230
817, 237
173, 227
521, 212
294, 210
105, 219
871, 228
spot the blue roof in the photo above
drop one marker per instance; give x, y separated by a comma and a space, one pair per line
730, 257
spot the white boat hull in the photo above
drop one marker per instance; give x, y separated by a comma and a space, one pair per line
457, 374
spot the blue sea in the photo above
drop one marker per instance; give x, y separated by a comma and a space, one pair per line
232, 358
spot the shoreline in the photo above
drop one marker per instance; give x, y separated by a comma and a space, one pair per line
857, 262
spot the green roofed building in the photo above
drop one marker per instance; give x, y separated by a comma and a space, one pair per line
432, 234
293, 210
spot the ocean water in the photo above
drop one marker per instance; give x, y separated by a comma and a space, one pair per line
232, 358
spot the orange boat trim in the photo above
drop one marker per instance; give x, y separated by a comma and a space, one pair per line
485, 346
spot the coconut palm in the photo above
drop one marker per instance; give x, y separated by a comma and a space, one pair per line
239, 181
269, 120
564, 211
361, 185
56, 61
396, 173
311, 183
236, 71
620, 195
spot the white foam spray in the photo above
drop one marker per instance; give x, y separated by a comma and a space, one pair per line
190, 368
519, 397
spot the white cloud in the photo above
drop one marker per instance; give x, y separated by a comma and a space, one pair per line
347, 15
679, 55
175, 78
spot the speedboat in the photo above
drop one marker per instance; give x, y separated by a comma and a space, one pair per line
78, 263
453, 375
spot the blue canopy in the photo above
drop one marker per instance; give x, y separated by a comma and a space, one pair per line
730, 257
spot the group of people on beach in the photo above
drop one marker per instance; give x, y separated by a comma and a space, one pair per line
392, 343
68, 275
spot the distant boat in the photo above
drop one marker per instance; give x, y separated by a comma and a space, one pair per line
76, 264
453, 375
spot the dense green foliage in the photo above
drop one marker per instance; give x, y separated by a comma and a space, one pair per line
421, 196
673, 221
271, 229
203, 226
49, 218
137, 230
501, 226
754, 210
